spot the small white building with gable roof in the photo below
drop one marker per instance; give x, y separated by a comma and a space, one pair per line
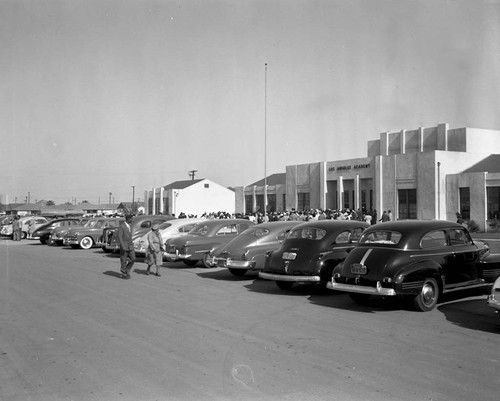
191, 197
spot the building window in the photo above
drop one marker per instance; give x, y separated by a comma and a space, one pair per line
284, 201
248, 204
346, 200
259, 199
303, 201
465, 203
407, 204
207, 185
271, 202
363, 199
493, 205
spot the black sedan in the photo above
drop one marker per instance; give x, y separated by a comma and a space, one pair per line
311, 251
417, 259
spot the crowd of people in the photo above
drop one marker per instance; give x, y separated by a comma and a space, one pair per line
371, 217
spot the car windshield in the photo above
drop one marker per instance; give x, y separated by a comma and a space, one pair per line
382, 237
256, 231
200, 229
307, 233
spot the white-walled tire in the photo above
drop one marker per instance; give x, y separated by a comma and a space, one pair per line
86, 243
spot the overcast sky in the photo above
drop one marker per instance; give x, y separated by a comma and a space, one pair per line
97, 96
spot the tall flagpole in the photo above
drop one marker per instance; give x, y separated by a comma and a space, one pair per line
265, 139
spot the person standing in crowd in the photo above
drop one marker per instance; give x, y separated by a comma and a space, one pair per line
127, 253
16, 229
374, 216
155, 249
389, 213
385, 217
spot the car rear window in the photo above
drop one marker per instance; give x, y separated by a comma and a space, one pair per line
307, 233
382, 237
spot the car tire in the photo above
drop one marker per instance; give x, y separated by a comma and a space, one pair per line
204, 260
49, 240
427, 298
237, 272
284, 285
86, 243
24, 235
190, 262
360, 299
42, 241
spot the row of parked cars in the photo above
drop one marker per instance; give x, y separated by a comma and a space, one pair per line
415, 260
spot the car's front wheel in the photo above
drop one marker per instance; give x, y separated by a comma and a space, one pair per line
86, 243
206, 260
427, 298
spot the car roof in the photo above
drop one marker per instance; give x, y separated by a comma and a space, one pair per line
330, 224
413, 230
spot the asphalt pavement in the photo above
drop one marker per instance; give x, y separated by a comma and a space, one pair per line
72, 329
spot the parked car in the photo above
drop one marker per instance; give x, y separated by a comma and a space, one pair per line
417, 259
143, 223
204, 238
43, 233
86, 236
140, 225
247, 251
493, 300
168, 229
24, 221
311, 251
57, 234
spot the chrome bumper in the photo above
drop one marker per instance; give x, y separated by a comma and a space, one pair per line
295, 279
362, 289
234, 264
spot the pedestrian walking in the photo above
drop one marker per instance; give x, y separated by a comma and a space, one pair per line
155, 249
127, 253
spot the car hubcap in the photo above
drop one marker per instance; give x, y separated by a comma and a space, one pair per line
428, 294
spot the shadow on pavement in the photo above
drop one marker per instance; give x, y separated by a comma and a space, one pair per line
113, 273
472, 314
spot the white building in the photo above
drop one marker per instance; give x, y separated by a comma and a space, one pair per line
191, 197
424, 173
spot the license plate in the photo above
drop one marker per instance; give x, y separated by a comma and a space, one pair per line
289, 255
358, 268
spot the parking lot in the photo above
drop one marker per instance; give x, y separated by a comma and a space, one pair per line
72, 329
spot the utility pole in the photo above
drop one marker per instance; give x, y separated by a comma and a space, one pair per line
110, 198
133, 197
191, 173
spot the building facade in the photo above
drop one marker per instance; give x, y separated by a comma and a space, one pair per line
191, 197
424, 173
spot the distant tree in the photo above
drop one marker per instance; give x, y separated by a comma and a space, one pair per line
68, 203
85, 201
50, 203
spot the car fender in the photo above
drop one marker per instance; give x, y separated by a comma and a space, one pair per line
409, 279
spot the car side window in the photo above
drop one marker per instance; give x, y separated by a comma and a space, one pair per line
227, 230
458, 236
343, 238
356, 234
434, 239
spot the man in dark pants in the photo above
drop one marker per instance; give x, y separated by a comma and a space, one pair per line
127, 253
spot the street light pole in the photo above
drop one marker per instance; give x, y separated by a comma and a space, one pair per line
265, 139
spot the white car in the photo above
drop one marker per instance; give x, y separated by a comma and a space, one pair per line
494, 298
24, 222
168, 229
